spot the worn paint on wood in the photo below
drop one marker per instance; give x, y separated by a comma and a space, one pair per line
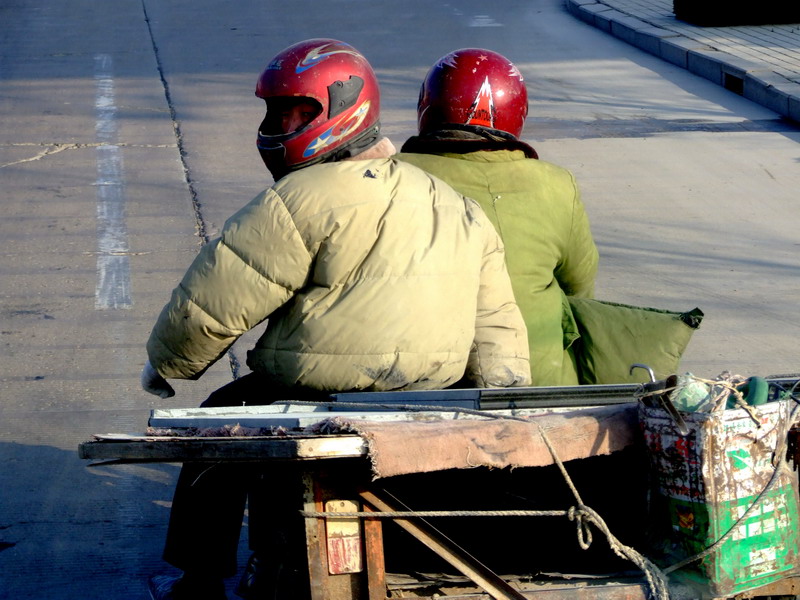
344, 538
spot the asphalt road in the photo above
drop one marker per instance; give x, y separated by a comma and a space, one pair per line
128, 138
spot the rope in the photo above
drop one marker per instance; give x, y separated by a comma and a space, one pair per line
656, 580
582, 515
721, 389
402, 514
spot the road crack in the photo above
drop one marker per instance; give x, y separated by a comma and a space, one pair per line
56, 147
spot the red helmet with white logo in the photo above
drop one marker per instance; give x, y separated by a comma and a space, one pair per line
336, 79
473, 87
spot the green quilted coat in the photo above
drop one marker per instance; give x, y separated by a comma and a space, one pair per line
536, 208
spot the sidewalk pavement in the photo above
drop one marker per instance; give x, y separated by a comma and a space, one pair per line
761, 63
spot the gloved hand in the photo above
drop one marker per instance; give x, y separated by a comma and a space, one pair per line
154, 383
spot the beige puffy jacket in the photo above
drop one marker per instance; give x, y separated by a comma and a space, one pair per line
374, 276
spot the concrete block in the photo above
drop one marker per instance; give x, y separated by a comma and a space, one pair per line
603, 16
771, 90
794, 107
767, 96
649, 39
625, 27
734, 71
585, 9
707, 63
676, 50
578, 9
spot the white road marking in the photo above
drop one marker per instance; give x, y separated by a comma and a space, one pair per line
113, 289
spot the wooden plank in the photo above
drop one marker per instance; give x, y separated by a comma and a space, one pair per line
579, 587
373, 551
480, 574
180, 449
315, 543
602, 430
573, 590
267, 417
292, 420
343, 537
268, 409
326, 585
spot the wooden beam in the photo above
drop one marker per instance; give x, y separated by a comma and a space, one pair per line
467, 565
374, 557
268, 417
180, 449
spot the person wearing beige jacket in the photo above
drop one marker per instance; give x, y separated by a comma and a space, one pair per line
371, 274
374, 276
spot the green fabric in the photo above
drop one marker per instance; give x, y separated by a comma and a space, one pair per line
615, 336
536, 208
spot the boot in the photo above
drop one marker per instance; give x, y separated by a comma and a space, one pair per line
167, 587
272, 580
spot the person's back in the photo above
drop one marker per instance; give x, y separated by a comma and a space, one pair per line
384, 278
380, 312
371, 275
469, 138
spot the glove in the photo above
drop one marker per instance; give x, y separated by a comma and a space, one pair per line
154, 383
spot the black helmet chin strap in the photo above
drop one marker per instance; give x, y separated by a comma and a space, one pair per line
368, 137
274, 158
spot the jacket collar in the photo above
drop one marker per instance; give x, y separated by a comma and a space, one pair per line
454, 141
384, 148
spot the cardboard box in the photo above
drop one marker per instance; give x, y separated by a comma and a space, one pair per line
714, 479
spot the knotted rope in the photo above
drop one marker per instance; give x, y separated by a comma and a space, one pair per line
581, 514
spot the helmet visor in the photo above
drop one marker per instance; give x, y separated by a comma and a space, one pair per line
288, 115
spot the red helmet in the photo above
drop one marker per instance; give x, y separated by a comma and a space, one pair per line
337, 79
473, 87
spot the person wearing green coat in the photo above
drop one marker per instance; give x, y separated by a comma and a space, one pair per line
471, 112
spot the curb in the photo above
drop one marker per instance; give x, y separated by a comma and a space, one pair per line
748, 79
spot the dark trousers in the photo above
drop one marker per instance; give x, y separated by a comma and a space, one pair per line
210, 498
